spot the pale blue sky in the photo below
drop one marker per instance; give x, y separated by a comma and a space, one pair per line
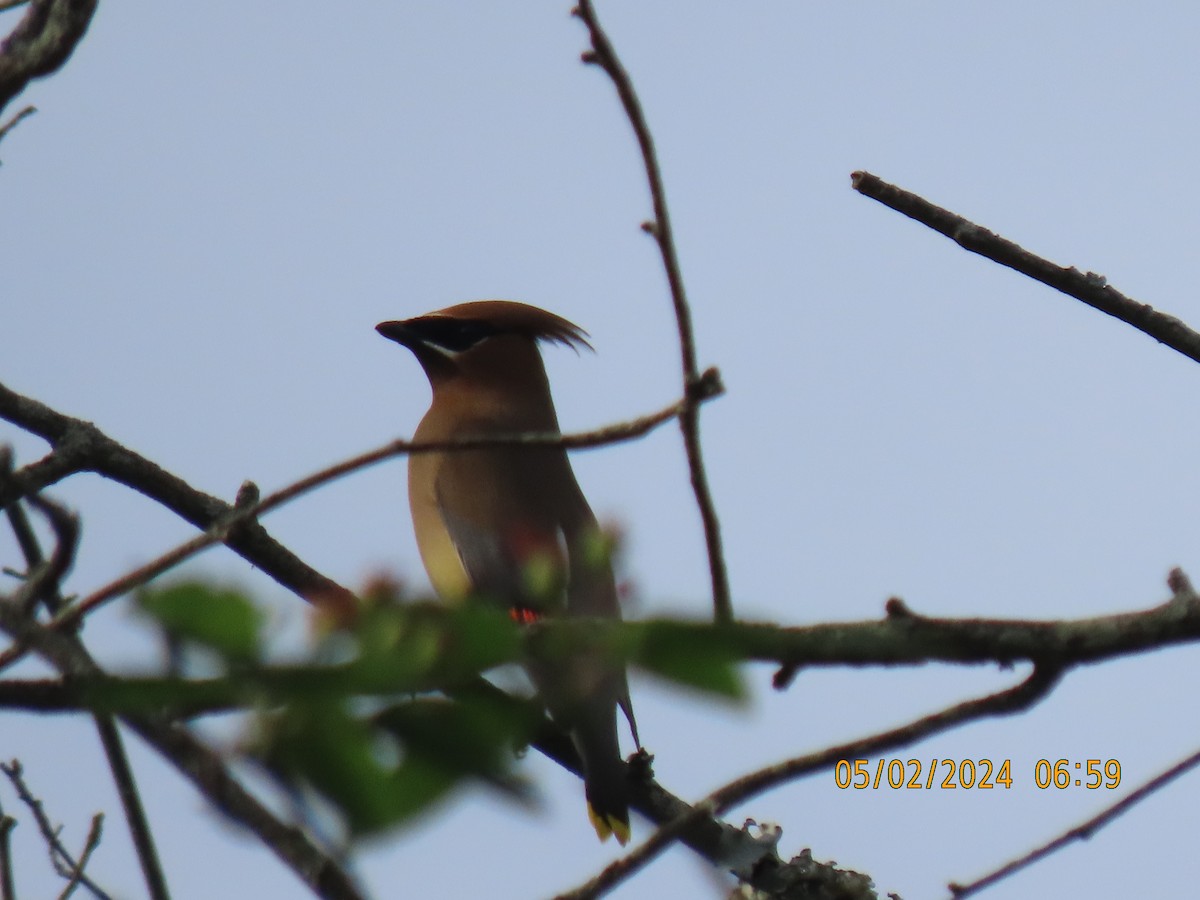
216, 203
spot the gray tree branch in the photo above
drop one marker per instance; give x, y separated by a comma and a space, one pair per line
43, 40
1092, 289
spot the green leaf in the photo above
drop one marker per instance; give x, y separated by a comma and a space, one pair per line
696, 656
469, 736
382, 770
483, 638
322, 746
435, 644
221, 619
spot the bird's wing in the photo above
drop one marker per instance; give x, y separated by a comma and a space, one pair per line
527, 538
503, 525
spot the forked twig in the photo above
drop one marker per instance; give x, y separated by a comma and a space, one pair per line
64, 863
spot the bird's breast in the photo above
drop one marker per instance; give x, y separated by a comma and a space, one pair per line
439, 554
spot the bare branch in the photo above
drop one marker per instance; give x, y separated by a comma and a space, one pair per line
903, 638
60, 856
1081, 832
80, 446
1088, 287
43, 40
605, 56
41, 695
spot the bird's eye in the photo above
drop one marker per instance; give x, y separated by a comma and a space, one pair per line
456, 335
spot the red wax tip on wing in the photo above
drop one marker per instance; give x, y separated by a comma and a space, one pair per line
523, 615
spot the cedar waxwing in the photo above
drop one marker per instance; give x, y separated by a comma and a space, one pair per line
510, 523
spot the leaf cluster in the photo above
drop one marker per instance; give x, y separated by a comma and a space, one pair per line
365, 720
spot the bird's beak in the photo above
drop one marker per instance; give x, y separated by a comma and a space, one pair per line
400, 332
408, 333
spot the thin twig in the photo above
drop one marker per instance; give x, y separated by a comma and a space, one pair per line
1080, 832
15, 120
43, 578
605, 56
131, 802
6, 5
18, 521
1088, 287
89, 847
7, 888
60, 856
1036, 686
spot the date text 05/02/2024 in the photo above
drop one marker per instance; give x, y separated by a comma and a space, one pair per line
973, 774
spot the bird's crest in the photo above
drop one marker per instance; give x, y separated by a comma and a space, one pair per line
518, 318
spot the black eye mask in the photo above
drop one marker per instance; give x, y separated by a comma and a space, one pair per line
455, 335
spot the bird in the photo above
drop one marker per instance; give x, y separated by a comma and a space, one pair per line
510, 523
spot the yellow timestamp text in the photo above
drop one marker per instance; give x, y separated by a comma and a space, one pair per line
1066, 773
923, 774
972, 774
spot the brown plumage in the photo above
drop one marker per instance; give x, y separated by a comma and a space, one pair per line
510, 523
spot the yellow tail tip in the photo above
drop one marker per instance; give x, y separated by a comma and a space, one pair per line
609, 825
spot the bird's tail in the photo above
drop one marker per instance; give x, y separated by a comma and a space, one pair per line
604, 783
